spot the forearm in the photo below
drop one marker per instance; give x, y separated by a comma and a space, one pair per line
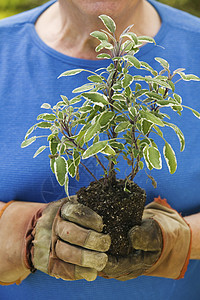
194, 222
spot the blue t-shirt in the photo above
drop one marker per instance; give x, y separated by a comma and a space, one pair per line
28, 78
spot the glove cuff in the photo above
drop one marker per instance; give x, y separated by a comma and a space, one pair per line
177, 240
13, 231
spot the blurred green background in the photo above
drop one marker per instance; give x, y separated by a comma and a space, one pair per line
11, 7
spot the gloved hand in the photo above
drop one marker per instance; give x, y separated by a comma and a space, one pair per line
62, 238
159, 247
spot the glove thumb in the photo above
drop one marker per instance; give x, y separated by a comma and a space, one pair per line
147, 236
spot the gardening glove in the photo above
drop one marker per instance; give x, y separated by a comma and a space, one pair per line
160, 246
62, 238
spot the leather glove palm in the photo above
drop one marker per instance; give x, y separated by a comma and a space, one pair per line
160, 246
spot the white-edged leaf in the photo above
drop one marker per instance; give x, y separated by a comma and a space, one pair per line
154, 157
106, 117
108, 22
47, 117
71, 72
146, 126
28, 142
170, 157
44, 125
101, 36
133, 61
94, 149
76, 157
108, 150
65, 99
75, 100
188, 77
95, 78
127, 80
122, 126
146, 39
91, 132
40, 150
179, 134
46, 106
60, 167
163, 62
83, 88
145, 153
117, 145
96, 98
66, 185
71, 167
29, 131
151, 118
104, 56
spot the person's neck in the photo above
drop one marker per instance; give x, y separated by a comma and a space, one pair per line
67, 30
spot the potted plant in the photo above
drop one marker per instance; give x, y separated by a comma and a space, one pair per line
114, 115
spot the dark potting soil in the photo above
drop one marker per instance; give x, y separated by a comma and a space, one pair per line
120, 210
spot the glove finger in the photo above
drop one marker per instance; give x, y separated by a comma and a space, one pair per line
79, 256
147, 236
67, 271
80, 236
82, 215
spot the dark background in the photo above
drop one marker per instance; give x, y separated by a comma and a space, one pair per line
10, 7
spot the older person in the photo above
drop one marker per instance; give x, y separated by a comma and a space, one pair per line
38, 231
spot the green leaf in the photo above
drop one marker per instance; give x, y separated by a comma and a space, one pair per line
71, 167
83, 88
177, 98
96, 98
65, 99
188, 77
108, 150
196, 113
151, 118
44, 125
29, 131
76, 157
108, 22
122, 126
40, 150
146, 126
116, 145
133, 61
60, 167
163, 63
52, 161
28, 142
47, 117
104, 56
106, 117
94, 149
132, 36
53, 146
179, 134
154, 95
67, 185
127, 80
71, 72
101, 36
103, 45
146, 158
154, 157
158, 131
75, 100
46, 106
95, 78
148, 68
91, 132
146, 39
170, 157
